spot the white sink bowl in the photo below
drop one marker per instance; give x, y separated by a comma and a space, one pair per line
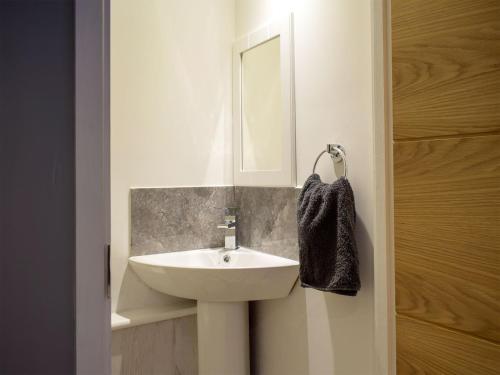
223, 281
204, 275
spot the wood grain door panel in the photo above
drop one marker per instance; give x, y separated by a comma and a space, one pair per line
446, 131
428, 349
446, 75
447, 232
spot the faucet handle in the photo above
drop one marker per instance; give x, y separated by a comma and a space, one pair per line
230, 221
230, 218
231, 211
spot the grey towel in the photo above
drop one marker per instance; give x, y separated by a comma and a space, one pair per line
328, 255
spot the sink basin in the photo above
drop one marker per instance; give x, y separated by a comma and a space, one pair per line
218, 275
223, 281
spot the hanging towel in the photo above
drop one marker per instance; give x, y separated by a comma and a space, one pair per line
327, 248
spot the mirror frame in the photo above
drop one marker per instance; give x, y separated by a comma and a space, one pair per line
287, 175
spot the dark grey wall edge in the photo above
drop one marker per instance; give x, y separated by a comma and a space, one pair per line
37, 213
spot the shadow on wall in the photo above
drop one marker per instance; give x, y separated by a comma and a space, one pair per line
134, 294
278, 335
349, 319
312, 332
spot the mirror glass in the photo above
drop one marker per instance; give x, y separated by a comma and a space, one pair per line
261, 104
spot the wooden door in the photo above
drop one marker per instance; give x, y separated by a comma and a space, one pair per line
446, 116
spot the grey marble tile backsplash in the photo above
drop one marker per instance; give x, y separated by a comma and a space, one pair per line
168, 347
268, 219
176, 219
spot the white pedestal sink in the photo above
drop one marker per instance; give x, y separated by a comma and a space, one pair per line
222, 281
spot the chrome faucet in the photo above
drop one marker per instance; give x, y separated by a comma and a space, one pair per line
230, 221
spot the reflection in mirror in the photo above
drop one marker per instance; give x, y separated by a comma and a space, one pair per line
262, 122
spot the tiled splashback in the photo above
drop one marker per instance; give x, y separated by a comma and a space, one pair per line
268, 220
166, 347
175, 219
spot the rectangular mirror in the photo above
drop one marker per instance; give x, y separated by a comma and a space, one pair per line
264, 129
261, 117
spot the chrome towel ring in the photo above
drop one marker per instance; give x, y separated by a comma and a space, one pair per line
337, 153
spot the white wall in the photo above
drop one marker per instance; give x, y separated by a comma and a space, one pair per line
170, 111
313, 332
171, 126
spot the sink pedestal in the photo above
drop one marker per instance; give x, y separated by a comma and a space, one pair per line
223, 341
231, 277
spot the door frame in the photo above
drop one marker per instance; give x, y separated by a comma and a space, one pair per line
92, 126
384, 276
92, 122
